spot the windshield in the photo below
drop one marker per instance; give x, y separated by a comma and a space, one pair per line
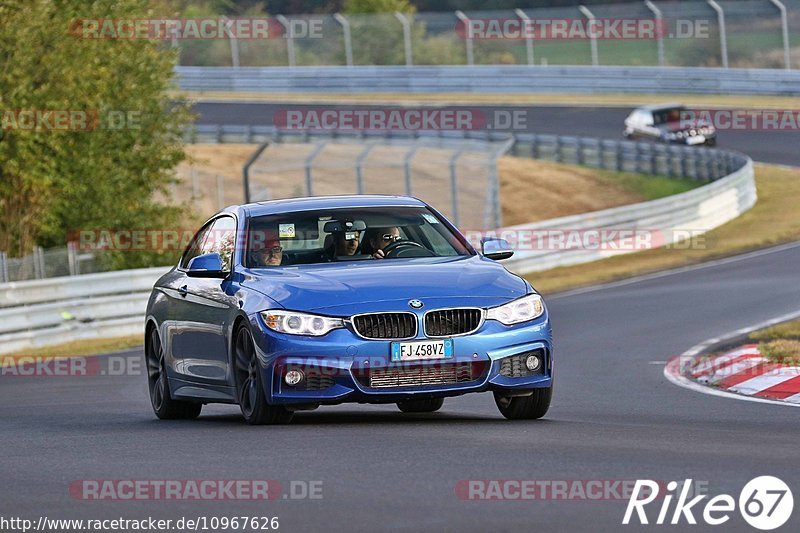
665, 116
348, 234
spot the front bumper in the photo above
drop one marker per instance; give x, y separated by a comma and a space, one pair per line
341, 367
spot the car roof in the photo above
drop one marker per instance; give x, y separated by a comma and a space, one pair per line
658, 107
329, 202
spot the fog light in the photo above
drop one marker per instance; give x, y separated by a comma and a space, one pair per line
293, 377
532, 363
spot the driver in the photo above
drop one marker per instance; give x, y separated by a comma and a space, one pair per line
345, 242
376, 239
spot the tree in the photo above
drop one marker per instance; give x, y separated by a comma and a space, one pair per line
107, 168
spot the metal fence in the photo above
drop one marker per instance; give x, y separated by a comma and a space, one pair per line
42, 312
50, 263
725, 33
453, 170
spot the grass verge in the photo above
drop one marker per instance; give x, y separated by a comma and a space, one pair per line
773, 220
80, 348
621, 100
779, 343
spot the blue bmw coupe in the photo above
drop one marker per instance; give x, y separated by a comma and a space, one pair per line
287, 305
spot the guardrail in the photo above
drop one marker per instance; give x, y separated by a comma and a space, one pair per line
490, 79
55, 310
667, 220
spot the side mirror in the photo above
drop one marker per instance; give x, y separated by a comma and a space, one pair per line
496, 249
206, 266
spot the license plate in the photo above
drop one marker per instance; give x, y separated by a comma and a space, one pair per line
422, 350
698, 139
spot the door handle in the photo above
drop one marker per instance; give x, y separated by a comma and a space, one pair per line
183, 291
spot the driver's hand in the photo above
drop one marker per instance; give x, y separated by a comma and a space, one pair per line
378, 255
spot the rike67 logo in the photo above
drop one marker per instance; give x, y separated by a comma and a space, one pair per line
765, 503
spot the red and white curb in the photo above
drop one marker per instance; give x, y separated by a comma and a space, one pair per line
743, 374
745, 371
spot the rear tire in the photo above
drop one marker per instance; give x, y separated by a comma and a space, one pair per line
421, 406
525, 407
164, 406
249, 385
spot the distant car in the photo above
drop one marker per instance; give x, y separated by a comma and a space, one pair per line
668, 123
324, 320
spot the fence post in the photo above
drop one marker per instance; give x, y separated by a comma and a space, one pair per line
174, 43
407, 167
467, 37
289, 38
246, 170
359, 170
494, 176
787, 58
528, 37
4, 267
723, 39
38, 268
660, 30
592, 36
406, 37
234, 42
454, 183
348, 41
309, 162
71, 258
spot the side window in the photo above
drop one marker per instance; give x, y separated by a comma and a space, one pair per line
222, 240
195, 247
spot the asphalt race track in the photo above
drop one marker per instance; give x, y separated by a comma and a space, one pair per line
614, 417
606, 122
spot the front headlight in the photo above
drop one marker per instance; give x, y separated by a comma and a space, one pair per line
295, 323
520, 310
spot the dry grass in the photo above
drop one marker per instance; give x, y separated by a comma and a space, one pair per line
625, 100
530, 190
773, 220
783, 351
533, 190
787, 330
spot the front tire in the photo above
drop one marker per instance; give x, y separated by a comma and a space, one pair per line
164, 406
525, 407
421, 406
249, 385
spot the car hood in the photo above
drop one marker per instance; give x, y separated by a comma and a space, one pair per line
363, 286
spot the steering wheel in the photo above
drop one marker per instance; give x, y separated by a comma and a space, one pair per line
398, 249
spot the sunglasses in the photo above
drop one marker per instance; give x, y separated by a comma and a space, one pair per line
273, 251
388, 237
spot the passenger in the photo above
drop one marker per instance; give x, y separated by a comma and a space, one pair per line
344, 245
268, 254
